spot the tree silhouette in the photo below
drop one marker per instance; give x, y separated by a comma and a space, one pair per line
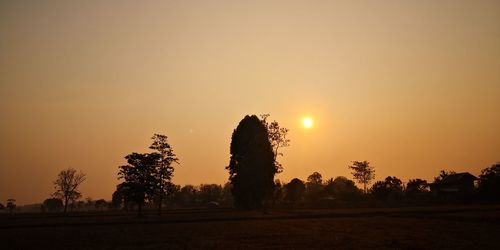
489, 183
100, 204
251, 166
278, 192
314, 187
53, 204
294, 191
186, 195
11, 205
164, 169
442, 175
277, 138
2, 207
117, 199
342, 188
416, 186
209, 192
139, 175
67, 184
389, 189
362, 172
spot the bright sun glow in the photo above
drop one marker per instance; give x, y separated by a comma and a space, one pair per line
307, 122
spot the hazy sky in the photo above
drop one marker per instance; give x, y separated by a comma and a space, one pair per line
411, 86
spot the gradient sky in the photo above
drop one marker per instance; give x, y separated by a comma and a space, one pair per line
411, 86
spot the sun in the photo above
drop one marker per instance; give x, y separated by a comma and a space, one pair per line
307, 122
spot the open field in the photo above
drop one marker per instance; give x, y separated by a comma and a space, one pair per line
465, 227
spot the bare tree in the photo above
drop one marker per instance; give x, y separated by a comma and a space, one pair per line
277, 138
66, 186
362, 172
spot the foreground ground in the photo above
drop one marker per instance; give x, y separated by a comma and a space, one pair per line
465, 227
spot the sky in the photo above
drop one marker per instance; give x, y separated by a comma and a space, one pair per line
413, 87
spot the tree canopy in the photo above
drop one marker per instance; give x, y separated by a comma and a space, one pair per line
53, 205
164, 169
389, 189
294, 191
489, 183
362, 172
342, 189
139, 175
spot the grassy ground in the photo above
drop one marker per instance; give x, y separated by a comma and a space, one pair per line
472, 227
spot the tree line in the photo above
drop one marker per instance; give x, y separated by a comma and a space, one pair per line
254, 151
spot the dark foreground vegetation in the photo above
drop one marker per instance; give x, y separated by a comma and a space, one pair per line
445, 227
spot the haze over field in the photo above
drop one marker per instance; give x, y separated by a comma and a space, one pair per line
411, 86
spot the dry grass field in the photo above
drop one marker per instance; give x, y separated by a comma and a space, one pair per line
465, 227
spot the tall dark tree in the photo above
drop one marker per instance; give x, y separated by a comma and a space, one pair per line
251, 166
139, 175
362, 172
277, 138
165, 170
67, 184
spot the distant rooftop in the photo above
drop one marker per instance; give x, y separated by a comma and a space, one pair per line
454, 178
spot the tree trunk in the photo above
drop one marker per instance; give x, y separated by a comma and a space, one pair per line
65, 205
139, 210
160, 201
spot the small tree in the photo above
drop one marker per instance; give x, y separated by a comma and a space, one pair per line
390, 189
164, 170
294, 191
67, 184
343, 189
362, 172
210, 192
314, 187
53, 205
227, 197
278, 192
11, 205
416, 187
100, 204
140, 182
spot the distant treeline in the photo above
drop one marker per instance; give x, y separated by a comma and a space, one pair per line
253, 164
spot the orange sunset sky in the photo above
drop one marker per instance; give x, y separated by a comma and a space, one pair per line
411, 86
